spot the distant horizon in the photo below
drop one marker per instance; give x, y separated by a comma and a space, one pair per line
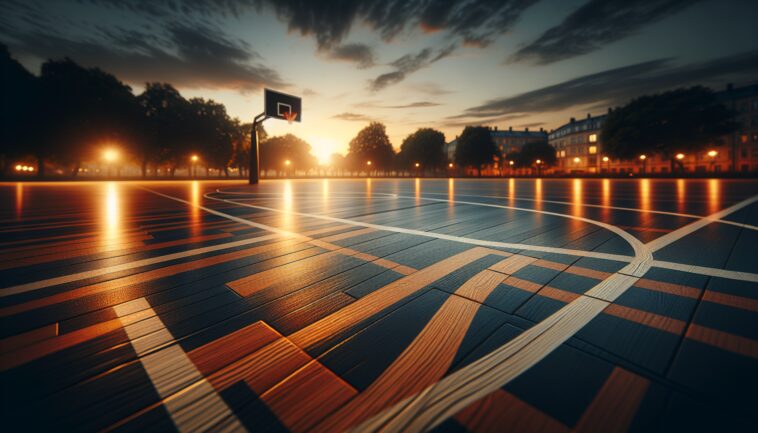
404, 63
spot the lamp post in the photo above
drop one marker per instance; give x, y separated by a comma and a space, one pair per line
712, 154
539, 163
643, 158
110, 156
607, 162
368, 169
194, 159
418, 169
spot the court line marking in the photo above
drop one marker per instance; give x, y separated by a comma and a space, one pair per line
621, 208
438, 402
471, 241
190, 400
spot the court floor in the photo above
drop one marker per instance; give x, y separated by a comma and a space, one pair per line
530, 305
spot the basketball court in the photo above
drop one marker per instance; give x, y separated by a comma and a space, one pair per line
466, 305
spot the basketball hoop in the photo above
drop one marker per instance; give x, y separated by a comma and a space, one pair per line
289, 116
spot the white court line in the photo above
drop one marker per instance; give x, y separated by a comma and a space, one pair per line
190, 400
629, 209
470, 241
438, 402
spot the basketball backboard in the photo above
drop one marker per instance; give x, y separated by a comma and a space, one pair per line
282, 106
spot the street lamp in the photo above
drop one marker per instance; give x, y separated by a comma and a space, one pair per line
680, 156
416, 164
194, 159
643, 157
450, 165
368, 163
287, 162
607, 162
110, 156
712, 154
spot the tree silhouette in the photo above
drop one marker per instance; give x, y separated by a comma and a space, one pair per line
276, 150
475, 148
426, 147
20, 95
167, 115
212, 133
682, 120
371, 144
531, 152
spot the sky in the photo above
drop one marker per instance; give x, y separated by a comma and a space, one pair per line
406, 63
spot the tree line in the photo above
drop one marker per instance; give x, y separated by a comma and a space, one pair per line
68, 113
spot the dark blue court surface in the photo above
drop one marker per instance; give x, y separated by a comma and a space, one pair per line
380, 304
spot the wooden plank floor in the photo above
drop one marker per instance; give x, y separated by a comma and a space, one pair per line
380, 305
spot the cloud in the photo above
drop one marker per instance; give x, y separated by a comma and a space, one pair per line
330, 21
429, 88
617, 86
186, 54
352, 117
408, 64
595, 24
419, 104
361, 54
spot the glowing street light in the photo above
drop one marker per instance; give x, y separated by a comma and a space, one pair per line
19, 167
368, 163
287, 162
510, 162
417, 165
712, 153
450, 165
194, 158
577, 160
606, 159
110, 155
680, 156
539, 161
643, 157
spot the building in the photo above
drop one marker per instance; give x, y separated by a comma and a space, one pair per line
577, 146
507, 141
741, 147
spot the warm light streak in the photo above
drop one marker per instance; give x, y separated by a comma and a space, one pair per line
112, 214
681, 195
451, 191
714, 195
606, 198
19, 199
577, 198
646, 198
195, 208
680, 156
538, 196
287, 162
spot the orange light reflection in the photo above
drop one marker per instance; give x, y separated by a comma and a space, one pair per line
645, 203
714, 195
194, 209
112, 217
681, 195
19, 199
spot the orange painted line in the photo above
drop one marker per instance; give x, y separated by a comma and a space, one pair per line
550, 265
671, 288
558, 294
16, 342
230, 348
90, 235
731, 300
64, 341
723, 340
613, 408
425, 360
656, 321
645, 229
502, 409
51, 247
588, 273
46, 347
386, 296
307, 395
522, 284
138, 278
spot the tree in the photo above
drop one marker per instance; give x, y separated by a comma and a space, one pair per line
475, 148
82, 109
212, 133
682, 120
371, 144
167, 116
21, 91
276, 150
531, 152
425, 146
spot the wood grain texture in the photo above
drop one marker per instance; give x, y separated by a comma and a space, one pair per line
502, 411
614, 406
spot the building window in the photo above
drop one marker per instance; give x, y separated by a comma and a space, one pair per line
563, 153
593, 138
593, 149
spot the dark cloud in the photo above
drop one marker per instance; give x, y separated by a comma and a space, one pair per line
597, 23
353, 117
408, 64
618, 86
330, 21
419, 104
360, 54
182, 53
429, 88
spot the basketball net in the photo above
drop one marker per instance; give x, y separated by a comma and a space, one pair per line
289, 116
